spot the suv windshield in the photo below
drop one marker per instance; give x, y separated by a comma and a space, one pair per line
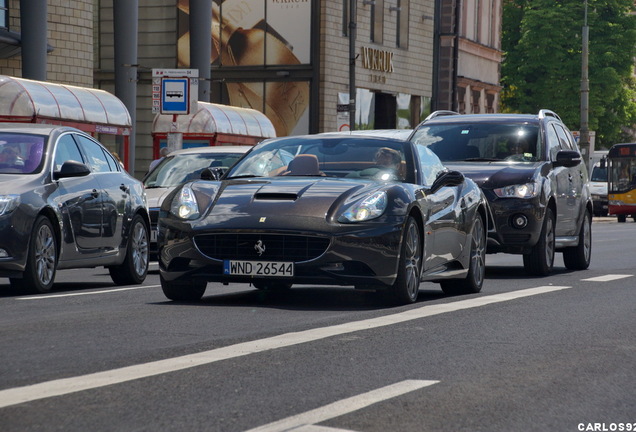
482, 141
599, 174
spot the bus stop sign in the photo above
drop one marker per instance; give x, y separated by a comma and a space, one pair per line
174, 91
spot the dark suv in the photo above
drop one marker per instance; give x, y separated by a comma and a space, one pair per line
531, 171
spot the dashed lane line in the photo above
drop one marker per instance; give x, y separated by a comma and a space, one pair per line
108, 291
344, 406
607, 278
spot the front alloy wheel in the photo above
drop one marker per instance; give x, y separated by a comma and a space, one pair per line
41, 264
407, 284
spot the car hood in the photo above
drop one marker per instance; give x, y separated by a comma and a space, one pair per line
19, 183
281, 203
490, 175
156, 195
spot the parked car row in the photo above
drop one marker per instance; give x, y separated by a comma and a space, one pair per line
377, 210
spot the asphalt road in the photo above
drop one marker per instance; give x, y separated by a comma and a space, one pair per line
527, 354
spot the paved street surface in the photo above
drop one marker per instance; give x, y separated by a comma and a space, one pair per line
527, 354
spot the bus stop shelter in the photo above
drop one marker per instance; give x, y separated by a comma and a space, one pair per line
91, 110
211, 125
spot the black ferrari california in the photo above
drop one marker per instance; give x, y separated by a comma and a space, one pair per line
373, 213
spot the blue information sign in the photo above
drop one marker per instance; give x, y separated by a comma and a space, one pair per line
175, 97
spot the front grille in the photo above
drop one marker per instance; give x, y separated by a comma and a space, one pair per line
277, 247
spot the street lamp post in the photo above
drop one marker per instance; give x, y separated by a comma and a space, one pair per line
584, 139
352, 64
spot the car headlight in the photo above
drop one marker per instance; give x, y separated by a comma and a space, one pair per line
527, 190
184, 205
8, 203
369, 208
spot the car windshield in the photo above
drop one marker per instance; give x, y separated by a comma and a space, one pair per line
21, 153
599, 174
177, 169
482, 141
372, 158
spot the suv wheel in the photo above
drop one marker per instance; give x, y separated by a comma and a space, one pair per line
540, 260
578, 257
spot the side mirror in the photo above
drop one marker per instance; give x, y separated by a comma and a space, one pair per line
603, 162
447, 178
568, 158
71, 168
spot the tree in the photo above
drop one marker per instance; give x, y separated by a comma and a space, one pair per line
541, 40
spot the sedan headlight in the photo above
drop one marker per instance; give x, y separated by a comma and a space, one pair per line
369, 208
528, 190
8, 203
184, 205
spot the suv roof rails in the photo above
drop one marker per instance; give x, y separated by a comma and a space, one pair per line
440, 113
545, 112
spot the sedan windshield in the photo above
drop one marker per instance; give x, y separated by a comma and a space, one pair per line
482, 141
371, 158
177, 169
21, 153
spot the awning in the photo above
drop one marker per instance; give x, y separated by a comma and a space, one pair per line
213, 118
89, 109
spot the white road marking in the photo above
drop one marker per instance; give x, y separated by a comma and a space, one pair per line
344, 406
607, 278
108, 291
18, 395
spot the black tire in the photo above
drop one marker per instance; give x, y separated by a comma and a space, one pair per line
39, 273
621, 218
477, 267
189, 290
540, 260
134, 269
271, 285
406, 286
578, 257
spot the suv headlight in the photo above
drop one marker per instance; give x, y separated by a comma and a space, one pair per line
8, 203
369, 208
527, 190
184, 204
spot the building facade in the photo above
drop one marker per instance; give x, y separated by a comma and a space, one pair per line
295, 61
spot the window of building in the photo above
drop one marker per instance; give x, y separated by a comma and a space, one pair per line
377, 21
345, 17
461, 100
4, 14
403, 23
476, 95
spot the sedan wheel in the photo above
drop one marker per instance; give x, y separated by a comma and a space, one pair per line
407, 284
39, 272
540, 260
477, 267
135, 266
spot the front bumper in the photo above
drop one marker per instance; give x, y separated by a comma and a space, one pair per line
504, 235
349, 255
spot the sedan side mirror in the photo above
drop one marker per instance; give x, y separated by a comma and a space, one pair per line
71, 168
447, 178
568, 158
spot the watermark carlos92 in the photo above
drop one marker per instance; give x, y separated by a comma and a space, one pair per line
607, 427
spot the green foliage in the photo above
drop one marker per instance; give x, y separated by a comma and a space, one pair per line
542, 44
